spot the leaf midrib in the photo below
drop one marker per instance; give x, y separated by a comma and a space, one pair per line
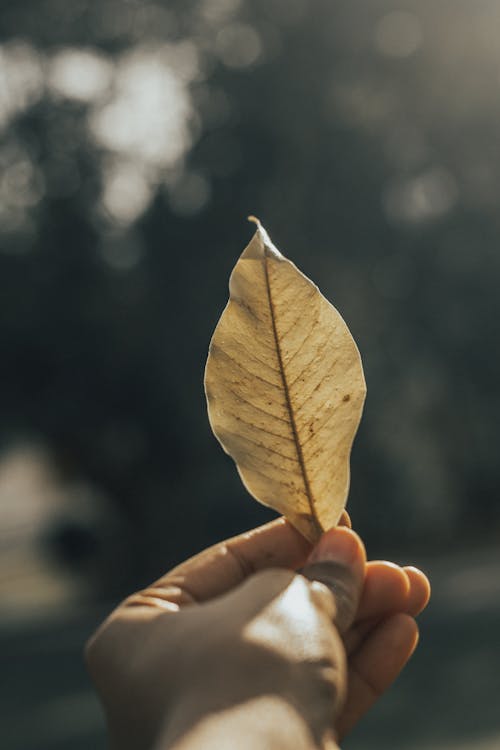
288, 400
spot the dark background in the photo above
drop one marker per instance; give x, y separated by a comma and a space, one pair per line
135, 138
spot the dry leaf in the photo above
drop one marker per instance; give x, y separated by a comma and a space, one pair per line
285, 389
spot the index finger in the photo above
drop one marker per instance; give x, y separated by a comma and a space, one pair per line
220, 568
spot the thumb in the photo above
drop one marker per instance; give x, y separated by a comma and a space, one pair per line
338, 562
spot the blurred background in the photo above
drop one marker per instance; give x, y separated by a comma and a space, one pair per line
135, 138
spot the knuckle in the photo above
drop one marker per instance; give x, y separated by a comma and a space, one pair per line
323, 599
101, 649
97, 647
329, 681
94, 652
323, 688
166, 598
339, 580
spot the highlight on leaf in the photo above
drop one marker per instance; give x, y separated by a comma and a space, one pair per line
285, 389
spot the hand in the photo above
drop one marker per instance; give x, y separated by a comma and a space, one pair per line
234, 624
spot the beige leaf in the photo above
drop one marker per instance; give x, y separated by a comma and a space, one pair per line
285, 389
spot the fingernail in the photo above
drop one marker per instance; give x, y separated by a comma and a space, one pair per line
337, 545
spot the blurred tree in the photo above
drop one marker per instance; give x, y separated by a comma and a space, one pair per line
135, 138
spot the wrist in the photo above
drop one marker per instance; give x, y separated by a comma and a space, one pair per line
266, 722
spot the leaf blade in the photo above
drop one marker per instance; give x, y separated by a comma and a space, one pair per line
279, 364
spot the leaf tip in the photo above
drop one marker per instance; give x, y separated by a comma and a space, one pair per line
267, 246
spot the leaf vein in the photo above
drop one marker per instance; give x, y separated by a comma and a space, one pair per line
314, 359
261, 429
219, 351
316, 387
259, 408
264, 447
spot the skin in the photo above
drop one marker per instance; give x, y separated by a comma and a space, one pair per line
235, 648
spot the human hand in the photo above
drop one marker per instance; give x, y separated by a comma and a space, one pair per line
234, 624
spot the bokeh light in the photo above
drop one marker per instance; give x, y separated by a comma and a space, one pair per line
135, 138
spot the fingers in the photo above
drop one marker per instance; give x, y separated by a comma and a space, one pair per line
338, 562
376, 665
227, 564
388, 589
420, 590
278, 544
385, 634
